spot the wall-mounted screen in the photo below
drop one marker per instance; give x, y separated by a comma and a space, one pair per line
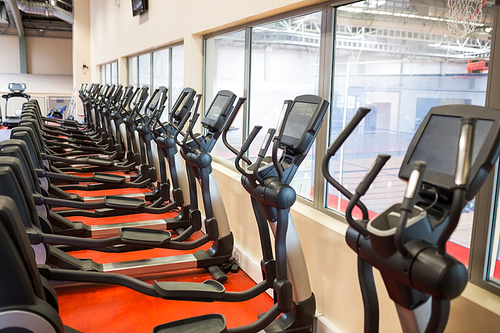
139, 7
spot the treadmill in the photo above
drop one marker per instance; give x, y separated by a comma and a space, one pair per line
16, 90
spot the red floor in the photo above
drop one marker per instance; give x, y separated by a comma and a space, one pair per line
118, 309
99, 308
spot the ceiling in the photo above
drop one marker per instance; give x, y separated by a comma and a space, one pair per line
38, 18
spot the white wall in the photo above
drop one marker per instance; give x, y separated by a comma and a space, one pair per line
115, 34
9, 54
48, 60
49, 56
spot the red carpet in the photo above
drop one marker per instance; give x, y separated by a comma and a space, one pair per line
98, 308
117, 309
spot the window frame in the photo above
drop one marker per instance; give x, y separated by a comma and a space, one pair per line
103, 68
487, 197
168, 47
323, 85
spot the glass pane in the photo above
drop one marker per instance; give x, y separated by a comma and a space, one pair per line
145, 70
385, 63
284, 64
108, 74
224, 70
493, 263
132, 71
161, 65
161, 73
103, 74
177, 72
114, 72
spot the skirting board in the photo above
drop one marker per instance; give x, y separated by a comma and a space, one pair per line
251, 267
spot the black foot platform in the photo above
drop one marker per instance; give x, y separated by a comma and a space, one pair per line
117, 201
212, 323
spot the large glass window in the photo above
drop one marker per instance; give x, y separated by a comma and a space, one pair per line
224, 64
161, 68
400, 73
166, 69
133, 77
144, 70
109, 73
284, 64
396, 58
177, 71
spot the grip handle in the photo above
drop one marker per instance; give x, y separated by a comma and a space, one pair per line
372, 173
346, 132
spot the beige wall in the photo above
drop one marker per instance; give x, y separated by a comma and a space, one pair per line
81, 47
49, 56
115, 34
9, 55
48, 64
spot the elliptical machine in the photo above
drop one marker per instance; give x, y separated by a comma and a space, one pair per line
446, 164
272, 199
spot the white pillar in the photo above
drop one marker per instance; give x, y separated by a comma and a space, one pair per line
81, 47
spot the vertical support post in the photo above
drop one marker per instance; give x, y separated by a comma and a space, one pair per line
22, 55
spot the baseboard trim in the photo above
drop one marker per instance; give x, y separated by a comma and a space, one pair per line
251, 267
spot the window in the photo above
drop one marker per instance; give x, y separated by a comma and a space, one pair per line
144, 62
400, 75
284, 64
224, 63
133, 77
109, 73
177, 72
161, 68
276, 47
399, 61
164, 67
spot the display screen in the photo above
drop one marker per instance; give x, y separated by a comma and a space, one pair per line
139, 7
299, 119
438, 145
182, 105
216, 109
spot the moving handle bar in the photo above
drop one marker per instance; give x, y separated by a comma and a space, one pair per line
332, 150
431, 270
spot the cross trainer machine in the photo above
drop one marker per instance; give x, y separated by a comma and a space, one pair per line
190, 217
216, 224
448, 160
306, 115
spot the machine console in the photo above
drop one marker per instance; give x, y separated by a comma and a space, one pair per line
183, 103
436, 142
217, 113
302, 122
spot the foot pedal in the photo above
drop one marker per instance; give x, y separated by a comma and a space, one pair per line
146, 237
211, 323
108, 178
208, 291
100, 161
117, 201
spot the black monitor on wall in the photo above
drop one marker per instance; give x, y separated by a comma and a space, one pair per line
139, 7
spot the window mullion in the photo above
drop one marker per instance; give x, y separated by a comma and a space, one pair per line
482, 226
246, 84
170, 80
325, 65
